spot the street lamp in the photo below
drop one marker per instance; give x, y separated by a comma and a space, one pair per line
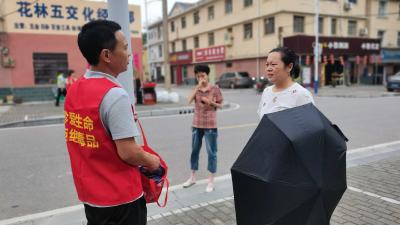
167, 76
316, 47
147, 35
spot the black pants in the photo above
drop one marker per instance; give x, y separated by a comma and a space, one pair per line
134, 213
60, 91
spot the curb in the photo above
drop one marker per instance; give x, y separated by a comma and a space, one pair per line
358, 95
148, 113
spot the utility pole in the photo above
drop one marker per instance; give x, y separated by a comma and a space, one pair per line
118, 11
258, 39
316, 47
167, 75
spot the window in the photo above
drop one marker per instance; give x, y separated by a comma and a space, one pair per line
381, 35
172, 26
173, 47
184, 45
352, 28
399, 10
159, 32
298, 24
160, 51
228, 6
333, 26
353, 1
196, 17
211, 13
210, 39
46, 65
321, 25
269, 25
196, 42
248, 30
248, 3
398, 39
183, 22
382, 8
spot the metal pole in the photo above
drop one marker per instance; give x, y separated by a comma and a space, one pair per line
316, 47
258, 40
147, 41
118, 11
167, 76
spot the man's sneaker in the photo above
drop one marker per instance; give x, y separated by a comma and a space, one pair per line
189, 183
210, 187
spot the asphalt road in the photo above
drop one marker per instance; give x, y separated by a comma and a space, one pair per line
34, 166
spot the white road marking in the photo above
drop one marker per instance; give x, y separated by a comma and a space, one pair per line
386, 199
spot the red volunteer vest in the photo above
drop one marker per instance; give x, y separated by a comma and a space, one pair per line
101, 178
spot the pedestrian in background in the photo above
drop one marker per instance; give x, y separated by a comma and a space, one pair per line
61, 91
207, 98
281, 69
101, 131
70, 79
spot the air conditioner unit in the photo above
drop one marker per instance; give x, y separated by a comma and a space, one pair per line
363, 32
347, 5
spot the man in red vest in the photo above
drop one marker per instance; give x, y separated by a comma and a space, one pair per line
100, 132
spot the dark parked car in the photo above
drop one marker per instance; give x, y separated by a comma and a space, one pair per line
393, 82
235, 79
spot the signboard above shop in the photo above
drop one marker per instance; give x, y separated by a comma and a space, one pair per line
303, 45
181, 58
58, 16
216, 53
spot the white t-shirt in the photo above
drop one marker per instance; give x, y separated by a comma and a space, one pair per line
293, 96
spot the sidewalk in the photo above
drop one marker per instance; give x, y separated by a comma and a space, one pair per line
361, 91
47, 113
372, 197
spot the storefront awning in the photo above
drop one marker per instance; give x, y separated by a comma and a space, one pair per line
390, 55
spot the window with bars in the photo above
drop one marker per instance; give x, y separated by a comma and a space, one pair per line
183, 22
333, 26
211, 39
352, 28
381, 35
196, 17
321, 25
382, 8
211, 13
228, 6
196, 42
398, 39
47, 65
298, 24
173, 47
269, 25
184, 48
172, 26
248, 3
248, 30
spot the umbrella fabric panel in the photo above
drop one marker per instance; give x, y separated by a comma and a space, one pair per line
269, 156
258, 202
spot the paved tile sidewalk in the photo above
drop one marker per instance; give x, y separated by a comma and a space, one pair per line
373, 198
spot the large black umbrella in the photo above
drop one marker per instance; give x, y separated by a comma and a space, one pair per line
292, 171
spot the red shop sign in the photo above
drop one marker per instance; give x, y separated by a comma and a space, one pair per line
210, 54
